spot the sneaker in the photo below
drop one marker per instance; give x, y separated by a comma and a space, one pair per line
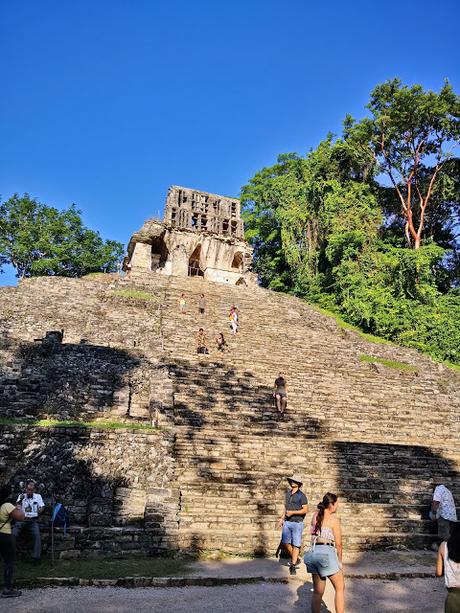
292, 569
11, 593
298, 563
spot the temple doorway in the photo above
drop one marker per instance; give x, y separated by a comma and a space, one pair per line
194, 268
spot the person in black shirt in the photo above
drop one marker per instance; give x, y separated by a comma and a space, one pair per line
291, 520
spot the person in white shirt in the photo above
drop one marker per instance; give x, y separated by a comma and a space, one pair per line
443, 508
32, 506
448, 565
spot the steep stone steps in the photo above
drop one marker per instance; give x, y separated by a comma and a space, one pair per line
373, 434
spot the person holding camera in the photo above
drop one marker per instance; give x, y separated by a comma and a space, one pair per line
7, 545
31, 504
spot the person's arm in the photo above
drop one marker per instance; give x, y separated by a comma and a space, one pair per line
440, 560
435, 506
337, 530
41, 506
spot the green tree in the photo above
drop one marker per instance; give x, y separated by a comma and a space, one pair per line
410, 136
261, 215
40, 240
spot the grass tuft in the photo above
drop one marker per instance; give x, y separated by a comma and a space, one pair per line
389, 363
104, 567
67, 423
134, 294
452, 365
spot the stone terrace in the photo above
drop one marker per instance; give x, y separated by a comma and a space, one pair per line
372, 434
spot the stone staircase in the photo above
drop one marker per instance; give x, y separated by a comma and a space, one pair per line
372, 434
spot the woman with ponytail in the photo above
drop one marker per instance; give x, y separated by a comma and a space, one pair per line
324, 559
448, 565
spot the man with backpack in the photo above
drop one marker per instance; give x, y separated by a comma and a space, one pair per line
291, 520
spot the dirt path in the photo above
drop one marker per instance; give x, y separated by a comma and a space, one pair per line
363, 595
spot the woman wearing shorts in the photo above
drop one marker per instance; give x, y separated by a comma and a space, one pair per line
448, 565
324, 560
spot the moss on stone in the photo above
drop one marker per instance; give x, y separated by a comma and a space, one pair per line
389, 363
65, 423
134, 294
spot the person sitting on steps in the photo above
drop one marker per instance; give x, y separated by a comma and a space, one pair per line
201, 343
280, 393
221, 343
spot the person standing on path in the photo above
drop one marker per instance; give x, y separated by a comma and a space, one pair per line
7, 542
280, 393
448, 565
201, 304
442, 507
182, 303
324, 560
233, 317
291, 520
31, 504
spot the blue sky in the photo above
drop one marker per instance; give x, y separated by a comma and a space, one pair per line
107, 103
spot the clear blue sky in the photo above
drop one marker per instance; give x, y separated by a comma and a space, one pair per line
105, 103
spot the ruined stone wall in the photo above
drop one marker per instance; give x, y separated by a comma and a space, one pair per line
204, 212
202, 235
106, 478
375, 433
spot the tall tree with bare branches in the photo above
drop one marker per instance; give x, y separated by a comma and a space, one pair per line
410, 136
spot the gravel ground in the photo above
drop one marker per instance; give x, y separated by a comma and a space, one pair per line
363, 595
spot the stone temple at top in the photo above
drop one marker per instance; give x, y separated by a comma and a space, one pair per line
201, 235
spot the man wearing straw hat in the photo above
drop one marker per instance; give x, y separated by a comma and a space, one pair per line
291, 519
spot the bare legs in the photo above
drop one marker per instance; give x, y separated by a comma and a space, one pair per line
319, 586
338, 582
292, 551
281, 402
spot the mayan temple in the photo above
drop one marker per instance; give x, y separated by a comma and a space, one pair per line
371, 421
201, 235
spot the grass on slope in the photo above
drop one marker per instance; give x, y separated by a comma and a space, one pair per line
134, 294
103, 568
67, 423
389, 363
451, 365
376, 339
343, 324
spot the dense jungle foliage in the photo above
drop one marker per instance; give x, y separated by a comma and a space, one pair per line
37, 239
367, 224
